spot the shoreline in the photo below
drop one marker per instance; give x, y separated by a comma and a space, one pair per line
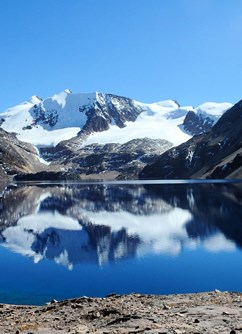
211, 312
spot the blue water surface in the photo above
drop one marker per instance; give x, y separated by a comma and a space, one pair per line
64, 241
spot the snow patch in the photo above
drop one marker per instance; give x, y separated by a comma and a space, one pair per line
41, 160
35, 99
60, 98
154, 122
41, 137
213, 110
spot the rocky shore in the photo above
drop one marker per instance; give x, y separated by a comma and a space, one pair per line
211, 312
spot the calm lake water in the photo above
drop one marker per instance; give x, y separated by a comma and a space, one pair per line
67, 240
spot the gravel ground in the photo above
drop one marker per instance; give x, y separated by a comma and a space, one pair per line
212, 312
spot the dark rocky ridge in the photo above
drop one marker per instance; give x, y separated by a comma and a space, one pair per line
127, 159
214, 154
105, 108
16, 156
196, 124
47, 176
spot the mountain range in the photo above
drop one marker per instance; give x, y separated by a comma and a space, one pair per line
101, 135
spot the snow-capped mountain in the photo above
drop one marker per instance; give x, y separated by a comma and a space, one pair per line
202, 118
77, 131
104, 118
215, 154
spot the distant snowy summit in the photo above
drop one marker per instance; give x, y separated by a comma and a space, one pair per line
106, 118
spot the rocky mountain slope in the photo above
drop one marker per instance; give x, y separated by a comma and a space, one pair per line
100, 133
17, 157
122, 159
215, 154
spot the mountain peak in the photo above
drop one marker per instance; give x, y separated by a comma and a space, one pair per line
68, 91
213, 108
35, 99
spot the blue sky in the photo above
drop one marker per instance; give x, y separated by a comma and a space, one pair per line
149, 50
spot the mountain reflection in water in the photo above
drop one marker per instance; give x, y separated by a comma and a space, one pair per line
99, 223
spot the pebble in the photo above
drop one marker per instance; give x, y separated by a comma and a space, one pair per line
193, 313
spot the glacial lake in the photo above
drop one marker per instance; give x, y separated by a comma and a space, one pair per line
60, 241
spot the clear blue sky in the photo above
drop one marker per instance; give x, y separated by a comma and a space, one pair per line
149, 50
